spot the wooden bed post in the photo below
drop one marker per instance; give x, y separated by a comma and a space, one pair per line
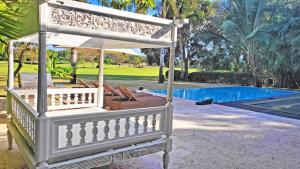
101, 79
10, 86
169, 115
42, 97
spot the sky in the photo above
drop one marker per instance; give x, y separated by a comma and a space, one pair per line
150, 12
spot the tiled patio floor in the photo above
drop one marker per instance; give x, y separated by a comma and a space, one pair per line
214, 137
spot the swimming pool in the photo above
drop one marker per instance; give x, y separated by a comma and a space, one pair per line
227, 94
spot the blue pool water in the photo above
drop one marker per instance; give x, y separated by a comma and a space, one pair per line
227, 94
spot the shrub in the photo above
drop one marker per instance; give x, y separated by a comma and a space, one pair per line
177, 74
222, 77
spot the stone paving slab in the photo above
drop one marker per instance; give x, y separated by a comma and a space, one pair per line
214, 137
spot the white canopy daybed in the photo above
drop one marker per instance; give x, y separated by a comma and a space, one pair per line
53, 134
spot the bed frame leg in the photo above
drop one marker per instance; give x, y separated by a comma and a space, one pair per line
166, 160
10, 140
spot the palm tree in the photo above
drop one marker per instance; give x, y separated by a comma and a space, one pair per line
9, 25
282, 46
244, 23
168, 6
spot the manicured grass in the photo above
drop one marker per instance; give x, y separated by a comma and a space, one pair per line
89, 71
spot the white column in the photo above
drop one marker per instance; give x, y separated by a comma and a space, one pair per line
10, 84
42, 75
169, 113
172, 65
42, 128
101, 79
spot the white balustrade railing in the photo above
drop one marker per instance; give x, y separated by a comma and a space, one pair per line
24, 117
81, 134
62, 98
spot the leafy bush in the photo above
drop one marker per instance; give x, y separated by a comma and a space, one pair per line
177, 74
109, 61
62, 72
222, 77
135, 60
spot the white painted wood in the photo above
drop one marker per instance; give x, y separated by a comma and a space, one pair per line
75, 115
42, 75
168, 123
106, 158
57, 100
101, 79
42, 135
92, 41
23, 145
110, 12
171, 65
10, 84
112, 128
24, 118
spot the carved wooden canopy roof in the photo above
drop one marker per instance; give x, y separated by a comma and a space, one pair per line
74, 24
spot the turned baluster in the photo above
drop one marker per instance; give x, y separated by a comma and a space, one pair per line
95, 131
83, 98
117, 128
27, 98
32, 127
28, 123
22, 116
52, 99
35, 101
90, 98
60, 99
68, 99
76, 98
69, 135
136, 124
82, 133
154, 122
127, 126
145, 123
106, 129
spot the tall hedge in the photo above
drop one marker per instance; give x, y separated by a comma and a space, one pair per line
177, 74
222, 77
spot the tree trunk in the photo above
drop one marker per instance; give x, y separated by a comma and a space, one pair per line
161, 78
181, 57
293, 82
74, 60
20, 59
186, 65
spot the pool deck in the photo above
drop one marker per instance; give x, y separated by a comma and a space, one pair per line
212, 137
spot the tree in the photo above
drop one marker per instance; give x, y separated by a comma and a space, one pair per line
24, 47
197, 11
135, 60
10, 26
282, 53
88, 55
168, 6
243, 25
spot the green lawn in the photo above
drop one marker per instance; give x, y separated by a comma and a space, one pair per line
89, 71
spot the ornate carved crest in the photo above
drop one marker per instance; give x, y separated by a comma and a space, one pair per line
67, 17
